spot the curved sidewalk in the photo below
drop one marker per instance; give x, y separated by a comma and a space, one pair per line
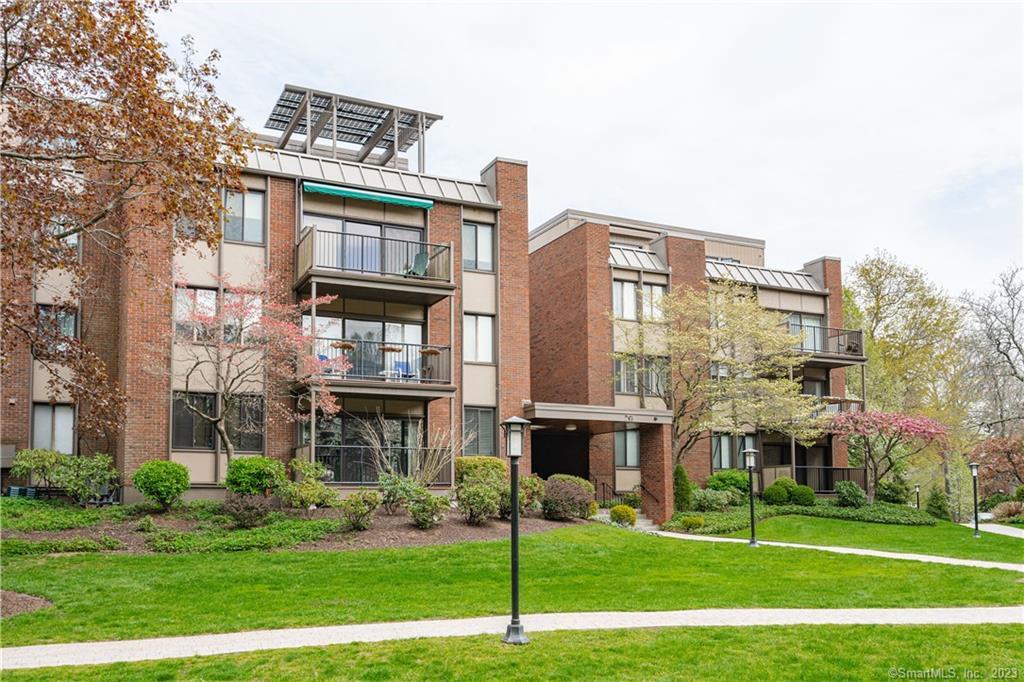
88, 653
927, 558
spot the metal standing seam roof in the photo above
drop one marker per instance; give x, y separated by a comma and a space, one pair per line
373, 178
635, 258
763, 277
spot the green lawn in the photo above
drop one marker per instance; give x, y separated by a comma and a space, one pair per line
588, 567
943, 539
762, 653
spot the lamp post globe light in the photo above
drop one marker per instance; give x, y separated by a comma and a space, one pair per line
917, 493
750, 455
515, 432
974, 478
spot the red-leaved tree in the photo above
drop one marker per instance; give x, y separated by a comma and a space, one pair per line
885, 440
244, 344
1002, 464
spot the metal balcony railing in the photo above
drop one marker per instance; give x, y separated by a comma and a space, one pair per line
388, 361
370, 255
824, 479
834, 405
829, 340
356, 464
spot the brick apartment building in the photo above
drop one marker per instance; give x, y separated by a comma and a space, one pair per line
430, 275
588, 418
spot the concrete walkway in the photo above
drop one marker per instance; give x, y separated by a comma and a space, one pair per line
998, 529
88, 653
927, 558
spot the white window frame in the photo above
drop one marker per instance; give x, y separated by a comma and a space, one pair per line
48, 440
627, 448
624, 304
477, 346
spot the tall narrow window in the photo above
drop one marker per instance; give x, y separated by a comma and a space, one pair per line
245, 423
478, 338
53, 427
241, 314
191, 306
56, 322
627, 448
652, 294
625, 376
190, 431
624, 300
243, 217
477, 247
479, 431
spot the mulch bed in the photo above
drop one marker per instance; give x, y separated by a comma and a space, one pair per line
386, 531
16, 603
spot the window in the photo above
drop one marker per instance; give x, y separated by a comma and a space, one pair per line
652, 294
624, 300
55, 322
726, 450
719, 371
53, 427
810, 327
815, 387
243, 217
627, 448
191, 305
478, 338
649, 377
190, 432
625, 376
478, 431
723, 259
477, 247
244, 423
242, 312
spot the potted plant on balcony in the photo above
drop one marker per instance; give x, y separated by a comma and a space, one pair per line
343, 345
390, 349
429, 350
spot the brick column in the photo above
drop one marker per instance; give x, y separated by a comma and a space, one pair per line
280, 433
602, 461
829, 273
445, 226
656, 471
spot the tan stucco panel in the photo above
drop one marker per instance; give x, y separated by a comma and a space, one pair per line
473, 214
626, 479
323, 205
625, 333
625, 275
479, 293
403, 215
184, 356
197, 267
40, 383
479, 385
54, 285
201, 465
791, 301
632, 402
360, 307
747, 255
414, 408
364, 210
241, 262
254, 181
405, 311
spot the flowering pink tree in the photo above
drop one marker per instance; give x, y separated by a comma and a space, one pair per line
886, 439
248, 346
1002, 464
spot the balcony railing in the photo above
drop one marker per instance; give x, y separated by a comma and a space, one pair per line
388, 361
370, 255
834, 405
356, 464
829, 340
824, 479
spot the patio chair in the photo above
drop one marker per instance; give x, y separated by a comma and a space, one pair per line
419, 265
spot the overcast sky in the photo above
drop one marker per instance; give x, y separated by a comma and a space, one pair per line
824, 129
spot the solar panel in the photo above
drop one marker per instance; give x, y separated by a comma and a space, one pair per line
769, 277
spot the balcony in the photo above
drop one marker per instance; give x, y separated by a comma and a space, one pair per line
830, 345
372, 266
820, 479
834, 405
355, 465
385, 367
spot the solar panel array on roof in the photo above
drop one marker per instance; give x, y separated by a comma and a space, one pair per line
356, 121
635, 258
764, 277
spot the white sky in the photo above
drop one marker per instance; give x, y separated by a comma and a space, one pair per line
825, 129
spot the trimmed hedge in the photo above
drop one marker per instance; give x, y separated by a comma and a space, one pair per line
849, 494
254, 475
583, 483
729, 479
720, 523
623, 515
682, 492
565, 500
161, 481
802, 496
479, 466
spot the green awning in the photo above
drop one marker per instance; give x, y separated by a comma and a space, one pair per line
366, 195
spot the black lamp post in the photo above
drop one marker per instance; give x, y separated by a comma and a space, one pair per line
750, 455
974, 478
515, 431
917, 493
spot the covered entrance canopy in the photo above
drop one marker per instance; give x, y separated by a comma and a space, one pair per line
592, 419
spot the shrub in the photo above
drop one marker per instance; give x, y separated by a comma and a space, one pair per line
428, 510
161, 481
1019, 494
633, 498
729, 479
255, 475
478, 500
990, 502
358, 508
893, 490
938, 504
87, 479
565, 500
309, 490
689, 522
146, 525
1008, 510
802, 496
394, 491
43, 465
776, 493
682, 494
849, 494
623, 515
480, 466
247, 511
720, 523
592, 509
582, 483
711, 500
531, 492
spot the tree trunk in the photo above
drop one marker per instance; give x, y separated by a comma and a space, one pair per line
222, 431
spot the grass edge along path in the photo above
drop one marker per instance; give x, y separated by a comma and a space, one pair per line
592, 567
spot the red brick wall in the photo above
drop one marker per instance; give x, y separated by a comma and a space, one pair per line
511, 189
656, 472
445, 227
15, 382
833, 271
280, 432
